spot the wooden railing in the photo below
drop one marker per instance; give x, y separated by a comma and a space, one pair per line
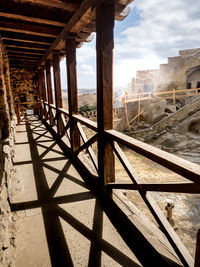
59, 123
141, 96
21, 106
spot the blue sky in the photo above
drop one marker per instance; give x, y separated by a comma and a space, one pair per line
153, 31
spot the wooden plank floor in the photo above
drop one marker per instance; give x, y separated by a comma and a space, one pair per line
59, 221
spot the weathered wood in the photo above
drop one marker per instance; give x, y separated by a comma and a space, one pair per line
104, 46
75, 20
155, 210
25, 45
90, 124
70, 48
23, 51
23, 37
90, 151
187, 169
190, 188
197, 254
31, 19
87, 144
57, 88
43, 85
10, 54
20, 27
34, 13
49, 84
69, 5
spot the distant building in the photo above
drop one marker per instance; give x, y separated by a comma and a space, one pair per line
181, 72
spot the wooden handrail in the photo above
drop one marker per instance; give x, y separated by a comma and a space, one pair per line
187, 169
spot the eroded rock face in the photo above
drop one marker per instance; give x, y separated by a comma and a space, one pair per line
153, 111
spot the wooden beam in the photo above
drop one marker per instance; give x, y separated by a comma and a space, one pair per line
57, 88
22, 60
76, 20
70, 48
43, 85
32, 19
25, 45
197, 253
187, 169
12, 50
104, 46
71, 5
22, 27
34, 13
22, 37
190, 188
49, 84
14, 55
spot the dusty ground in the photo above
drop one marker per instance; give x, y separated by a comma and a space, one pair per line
186, 212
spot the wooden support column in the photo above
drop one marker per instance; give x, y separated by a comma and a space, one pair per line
49, 90
104, 46
43, 85
40, 94
48, 80
70, 48
57, 87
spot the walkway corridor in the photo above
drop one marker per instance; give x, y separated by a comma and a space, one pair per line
59, 221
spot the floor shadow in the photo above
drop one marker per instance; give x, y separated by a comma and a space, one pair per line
51, 211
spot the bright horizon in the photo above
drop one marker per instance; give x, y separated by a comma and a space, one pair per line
142, 41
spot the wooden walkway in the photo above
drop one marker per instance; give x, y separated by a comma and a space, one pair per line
59, 221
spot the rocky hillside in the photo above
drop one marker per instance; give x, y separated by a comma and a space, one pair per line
178, 129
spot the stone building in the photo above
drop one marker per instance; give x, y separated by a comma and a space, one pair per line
180, 72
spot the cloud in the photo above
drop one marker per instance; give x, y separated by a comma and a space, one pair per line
164, 28
154, 31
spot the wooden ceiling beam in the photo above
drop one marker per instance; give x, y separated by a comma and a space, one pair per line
24, 45
20, 27
22, 60
21, 37
69, 5
23, 51
34, 13
32, 19
81, 15
23, 56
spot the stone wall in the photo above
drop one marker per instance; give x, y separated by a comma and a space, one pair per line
173, 75
23, 84
7, 173
7, 222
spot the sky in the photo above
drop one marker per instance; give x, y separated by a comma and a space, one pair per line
153, 31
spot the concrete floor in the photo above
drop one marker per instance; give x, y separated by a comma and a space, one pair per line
59, 221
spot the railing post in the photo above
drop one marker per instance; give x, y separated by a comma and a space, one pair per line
174, 97
57, 87
104, 47
70, 49
197, 254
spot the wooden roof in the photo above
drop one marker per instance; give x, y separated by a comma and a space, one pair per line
32, 29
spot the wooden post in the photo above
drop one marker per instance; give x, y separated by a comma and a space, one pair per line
49, 90
57, 87
104, 47
18, 111
49, 84
70, 48
43, 85
197, 254
174, 97
139, 108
